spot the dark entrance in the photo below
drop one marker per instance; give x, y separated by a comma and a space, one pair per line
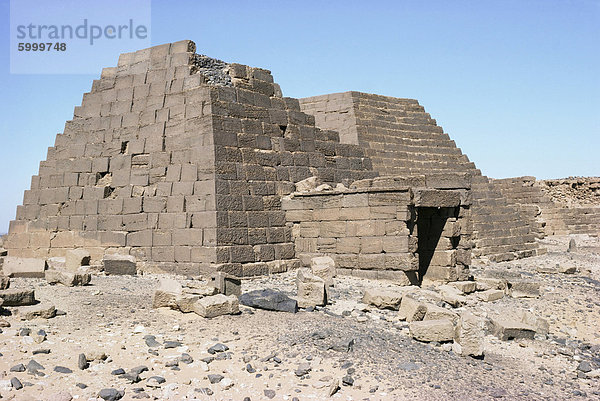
430, 225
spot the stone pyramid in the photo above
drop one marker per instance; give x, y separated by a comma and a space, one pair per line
179, 160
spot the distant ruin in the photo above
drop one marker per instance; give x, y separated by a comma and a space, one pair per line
190, 164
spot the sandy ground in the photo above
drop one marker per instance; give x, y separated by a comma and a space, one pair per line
344, 342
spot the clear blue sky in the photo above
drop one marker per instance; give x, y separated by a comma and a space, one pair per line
515, 83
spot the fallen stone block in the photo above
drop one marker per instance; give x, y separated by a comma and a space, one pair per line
465, 287
324, 267
4, 282
524, 289
120, 265
24, 267
226, 283
269, 300
55, 263
185, 302
411, 310
200, 289
432, 330
217, 305
308, 184
167, 293
435, 312
42, 311
70, 279
566, 269
541, 325
382, 298
490, 295
310, 289
506, 329
18, 297
452, 295
470, 333
492, 283
76, 258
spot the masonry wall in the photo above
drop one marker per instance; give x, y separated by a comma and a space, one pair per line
371, 229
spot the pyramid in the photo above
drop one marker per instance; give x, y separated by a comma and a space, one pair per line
400, 138
179, 160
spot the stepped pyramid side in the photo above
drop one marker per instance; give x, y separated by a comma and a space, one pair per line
181, 161
402, 139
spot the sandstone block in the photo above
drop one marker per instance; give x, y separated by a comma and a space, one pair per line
524, 289
470, 333
217, 305
324, 267
185, 302
119, 265
452, 296
18, 297
490, 295
56, 263
466, 287
311, 289
506, 329
167, 293
70, 279
432, 330
491, 283
411, 310
42, 311
383, 298
435, 312
24, 267
308, 184
76, 258
226, 283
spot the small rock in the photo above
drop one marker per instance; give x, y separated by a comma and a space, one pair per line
155, 381
215, 378
60, 396
41, 351
584, 366
490, 295
217, 348
118, 372
334, 387
38, 336
111, 394
226, 383
151, 341
347, 380
16, 383
62, 369
269, 299
18, 368
82, 362
270, 394
172, 344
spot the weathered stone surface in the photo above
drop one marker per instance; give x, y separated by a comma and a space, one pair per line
466, 287
43, 311
185, 302
541, 325
120, 265
435, 312
4, 282
452, 296
167, 293
226, 283
506, 329
324, 267
524, 289
217, 305
432, 330
490, 295
411, 310
269, 300
382, 298
18, 297
308, 184
56, 263
76, 258
311, 289
68, 278
24, 267
470, 333
492, 283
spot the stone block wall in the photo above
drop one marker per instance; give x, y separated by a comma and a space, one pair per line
557, 207
373, 229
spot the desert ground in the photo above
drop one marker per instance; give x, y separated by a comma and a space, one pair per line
347, 350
